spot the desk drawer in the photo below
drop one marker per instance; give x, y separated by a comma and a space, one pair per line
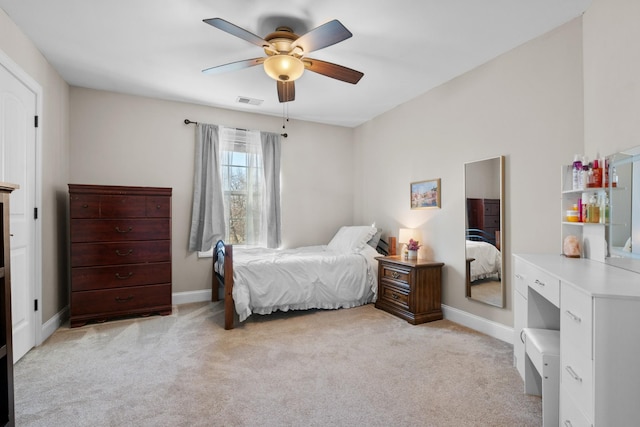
545, 284
576, 377
570, 414
576, 320
520, 273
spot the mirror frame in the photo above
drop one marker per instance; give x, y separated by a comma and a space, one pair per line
500, 238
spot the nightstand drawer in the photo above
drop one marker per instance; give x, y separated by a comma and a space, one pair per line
399, 275
394, 294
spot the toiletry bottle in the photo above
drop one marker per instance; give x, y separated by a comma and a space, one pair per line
577, 173
614, 177
594, 210
590, 176
597, 174
585, 175
584, 201
604, 209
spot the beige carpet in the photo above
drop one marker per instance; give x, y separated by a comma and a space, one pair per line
349, 367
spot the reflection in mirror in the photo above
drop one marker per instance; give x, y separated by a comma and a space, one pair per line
624, 224
484, 196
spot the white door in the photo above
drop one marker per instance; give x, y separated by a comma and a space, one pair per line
17, 166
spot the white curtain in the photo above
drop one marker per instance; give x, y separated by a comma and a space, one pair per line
207, 215
236, 166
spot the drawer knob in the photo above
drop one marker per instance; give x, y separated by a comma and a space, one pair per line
567, 423
119, 277
573, 373
129, 252
519, 276
573, 316
123, 231
85, 206
129, 298
395, 275
157, 206
538, 282
395, 296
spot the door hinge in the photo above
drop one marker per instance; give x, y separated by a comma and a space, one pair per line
35, 213
35, 305
35, 121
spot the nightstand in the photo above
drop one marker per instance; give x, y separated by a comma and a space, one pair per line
410, 289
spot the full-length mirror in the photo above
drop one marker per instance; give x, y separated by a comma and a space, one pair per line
484, 197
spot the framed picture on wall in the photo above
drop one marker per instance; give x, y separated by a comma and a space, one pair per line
425, 194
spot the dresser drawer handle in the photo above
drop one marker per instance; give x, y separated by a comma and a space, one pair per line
395, 296
118, 276
573, 316
123, 231
129, 298
519, 276
573, 373
567, 423
395, 275
158, 206
538, 282
85, 206
129, 252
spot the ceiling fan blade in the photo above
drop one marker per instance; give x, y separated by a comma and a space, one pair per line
234, 66
334, 71
320, 37
286, 91
234, 30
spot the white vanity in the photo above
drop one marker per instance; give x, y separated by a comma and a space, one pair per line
596, 308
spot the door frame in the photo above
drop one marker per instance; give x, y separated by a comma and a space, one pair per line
36, 88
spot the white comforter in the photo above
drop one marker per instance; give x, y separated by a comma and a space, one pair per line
488, 260
266, 280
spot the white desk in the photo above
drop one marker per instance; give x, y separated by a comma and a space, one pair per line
596, 307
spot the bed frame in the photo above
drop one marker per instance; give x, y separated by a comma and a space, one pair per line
475, 234
223, 255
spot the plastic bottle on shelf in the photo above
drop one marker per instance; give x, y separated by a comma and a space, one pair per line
597, 174
604, 209
585, 175
577, 173
584, 203
593, 215
614, 177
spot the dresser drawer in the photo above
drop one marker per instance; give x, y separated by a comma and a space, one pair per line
576, 376
114, 230
158, 206
397, 274
576, 321
90, 278
545, 284
121, 206
394, 295
90, 254
520, 273
113, 301
84, 206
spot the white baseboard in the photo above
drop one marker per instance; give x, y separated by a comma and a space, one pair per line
50, 326
480, 324
190, 296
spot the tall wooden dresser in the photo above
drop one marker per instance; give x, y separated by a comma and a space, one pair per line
484, 214
120, 252
6, 324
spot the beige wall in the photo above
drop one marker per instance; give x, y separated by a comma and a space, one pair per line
128, 140
525, 105
55, 162
611, 76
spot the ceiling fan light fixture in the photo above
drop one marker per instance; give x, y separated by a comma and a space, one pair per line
285, 68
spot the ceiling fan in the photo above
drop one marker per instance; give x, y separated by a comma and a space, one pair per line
286, 53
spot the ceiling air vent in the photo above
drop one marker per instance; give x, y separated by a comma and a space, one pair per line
250, 101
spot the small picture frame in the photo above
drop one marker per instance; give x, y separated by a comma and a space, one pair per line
425, 194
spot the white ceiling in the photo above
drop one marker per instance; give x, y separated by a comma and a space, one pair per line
157, 48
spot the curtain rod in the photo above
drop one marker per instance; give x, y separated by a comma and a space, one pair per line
189, 122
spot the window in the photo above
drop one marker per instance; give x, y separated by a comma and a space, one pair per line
243, 186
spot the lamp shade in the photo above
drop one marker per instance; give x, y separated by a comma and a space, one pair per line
407, 234
285, 68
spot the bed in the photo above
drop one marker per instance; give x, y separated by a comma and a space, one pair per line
484, 259
341, 274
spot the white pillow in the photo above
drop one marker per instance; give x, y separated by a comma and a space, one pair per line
351, 238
